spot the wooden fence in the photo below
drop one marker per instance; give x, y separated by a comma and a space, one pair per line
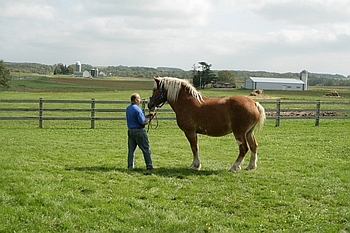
307, 110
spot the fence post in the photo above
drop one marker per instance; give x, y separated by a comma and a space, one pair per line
144, 101
278, 113
317, 115
41, 112
92, 113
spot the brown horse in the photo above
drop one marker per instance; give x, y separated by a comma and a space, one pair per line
210, 116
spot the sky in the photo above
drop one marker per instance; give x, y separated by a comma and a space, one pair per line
254, 35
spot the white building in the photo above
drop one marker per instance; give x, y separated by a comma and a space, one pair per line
288, 84
86, 74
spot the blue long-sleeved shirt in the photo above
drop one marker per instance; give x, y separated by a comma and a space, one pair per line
135, 116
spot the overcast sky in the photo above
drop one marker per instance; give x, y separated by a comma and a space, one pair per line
268, 35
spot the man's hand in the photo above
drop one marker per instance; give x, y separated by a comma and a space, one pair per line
150, 116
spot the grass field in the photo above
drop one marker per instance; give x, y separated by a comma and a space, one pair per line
74, 179
67, 84
35, 83
69, 178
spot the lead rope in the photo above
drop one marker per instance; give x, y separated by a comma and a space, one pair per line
150, 125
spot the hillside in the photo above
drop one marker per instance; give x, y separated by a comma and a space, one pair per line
147, 72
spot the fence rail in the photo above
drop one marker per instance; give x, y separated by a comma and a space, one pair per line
317, 111
274, 110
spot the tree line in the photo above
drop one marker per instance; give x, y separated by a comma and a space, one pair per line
35, 68
201, 74
144, 72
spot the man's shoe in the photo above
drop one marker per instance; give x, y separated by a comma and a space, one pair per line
151, 168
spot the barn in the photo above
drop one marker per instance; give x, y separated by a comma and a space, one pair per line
254, 83
289, 84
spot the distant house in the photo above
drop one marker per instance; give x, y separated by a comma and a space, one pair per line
224, 84
101, 74
86, 74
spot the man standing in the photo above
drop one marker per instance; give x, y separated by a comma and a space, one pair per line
137, 136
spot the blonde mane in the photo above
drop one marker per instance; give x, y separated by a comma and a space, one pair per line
173, 87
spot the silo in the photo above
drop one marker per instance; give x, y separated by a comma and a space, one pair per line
78, 66
303, 77
93, 72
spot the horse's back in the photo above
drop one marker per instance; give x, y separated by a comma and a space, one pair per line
220, 116
232, 107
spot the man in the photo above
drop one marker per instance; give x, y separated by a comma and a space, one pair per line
137, 136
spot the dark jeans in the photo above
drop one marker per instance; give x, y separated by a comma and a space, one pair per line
138, 137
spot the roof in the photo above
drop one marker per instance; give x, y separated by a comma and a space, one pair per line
276, 80
225, 82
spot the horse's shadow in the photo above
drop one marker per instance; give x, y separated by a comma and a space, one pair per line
178, 172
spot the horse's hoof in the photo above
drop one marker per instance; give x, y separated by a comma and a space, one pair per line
235, 169
250, 168
197, 168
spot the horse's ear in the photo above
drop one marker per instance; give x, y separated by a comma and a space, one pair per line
156, 79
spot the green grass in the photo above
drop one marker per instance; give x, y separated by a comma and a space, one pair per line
67, 177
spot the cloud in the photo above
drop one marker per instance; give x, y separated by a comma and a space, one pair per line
150, 14
297, 11
23, 11
275, 35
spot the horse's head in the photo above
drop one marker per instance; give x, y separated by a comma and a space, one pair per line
159, 95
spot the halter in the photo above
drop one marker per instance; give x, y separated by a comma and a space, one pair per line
159, 96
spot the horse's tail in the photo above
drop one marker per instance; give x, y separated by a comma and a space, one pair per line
262, 116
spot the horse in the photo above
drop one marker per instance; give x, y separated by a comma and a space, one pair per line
198, 114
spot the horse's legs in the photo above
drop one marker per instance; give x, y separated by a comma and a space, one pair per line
193, 139
253, 146
243, 148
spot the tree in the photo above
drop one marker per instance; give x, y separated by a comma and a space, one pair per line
204, 77
63, 69
5, 76
195, 76
70, 69
57, 69
226, 75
